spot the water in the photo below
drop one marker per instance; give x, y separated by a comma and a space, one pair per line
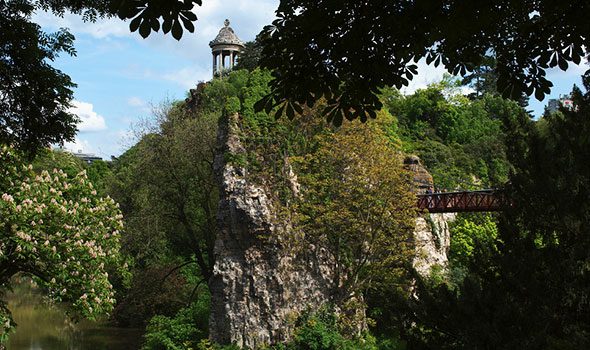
45, 327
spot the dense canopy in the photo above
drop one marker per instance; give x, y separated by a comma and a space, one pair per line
347, 50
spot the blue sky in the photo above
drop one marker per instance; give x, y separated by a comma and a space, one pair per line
120, 75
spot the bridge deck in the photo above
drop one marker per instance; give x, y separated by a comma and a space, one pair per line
462, 201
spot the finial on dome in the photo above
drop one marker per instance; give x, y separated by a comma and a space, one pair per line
226, 22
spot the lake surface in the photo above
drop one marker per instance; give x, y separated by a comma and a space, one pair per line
46, 327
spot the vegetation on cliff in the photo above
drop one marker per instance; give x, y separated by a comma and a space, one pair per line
336, 170
344, 188
515, 280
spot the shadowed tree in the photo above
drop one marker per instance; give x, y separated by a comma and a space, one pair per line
530, 288
346, 51
35, 97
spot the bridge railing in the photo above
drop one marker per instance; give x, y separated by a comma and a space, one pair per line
463, 201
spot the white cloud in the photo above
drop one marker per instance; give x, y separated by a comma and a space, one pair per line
78, 145
188, 77
102, 28
139, 104
135, 101
427, 74
89, 120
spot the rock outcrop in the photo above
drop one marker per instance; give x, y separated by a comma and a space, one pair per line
432, 237
259, 285
432, 241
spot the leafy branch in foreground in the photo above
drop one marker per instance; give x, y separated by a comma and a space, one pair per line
346, 51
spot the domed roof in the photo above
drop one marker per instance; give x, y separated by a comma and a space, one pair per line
226, 36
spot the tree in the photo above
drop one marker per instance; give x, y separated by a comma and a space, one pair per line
169, 193
57, 230
250, 55
357, 204
459, 140
346, 51
482, 79
530, 288
35, 97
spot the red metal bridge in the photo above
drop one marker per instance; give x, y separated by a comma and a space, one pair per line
463, 201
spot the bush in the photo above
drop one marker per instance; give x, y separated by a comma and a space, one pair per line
321, 331
186, 330
151, 295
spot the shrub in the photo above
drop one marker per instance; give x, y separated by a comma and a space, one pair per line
321, 331
186, 330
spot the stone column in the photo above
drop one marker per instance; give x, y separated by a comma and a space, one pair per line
231, 59
214, 63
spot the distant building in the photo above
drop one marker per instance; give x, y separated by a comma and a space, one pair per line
226, 47
87, 158
554, 104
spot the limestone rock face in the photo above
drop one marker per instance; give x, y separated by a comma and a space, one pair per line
259, 286
421, 177
431, 235
432, 238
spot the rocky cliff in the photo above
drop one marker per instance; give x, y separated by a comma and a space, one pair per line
432, 241
432, 236
260, 285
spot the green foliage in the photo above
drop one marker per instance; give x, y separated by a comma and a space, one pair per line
232, 105
321, 331
35, 96
346, 51
58, 230
357, 204
483, 80
48, 160
153, 291
185, 330
99, 173
467, 234
219, 91
250, 55
461, 142
531, 290
168, 194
